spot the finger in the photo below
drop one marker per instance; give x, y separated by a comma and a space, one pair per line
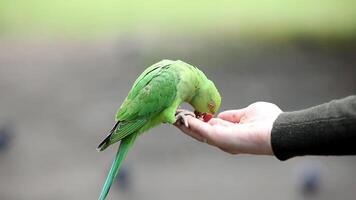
227, 150
216, 135
218, 121
193, 129
211, 134
232, 115
201, 131
199, 127
189, 132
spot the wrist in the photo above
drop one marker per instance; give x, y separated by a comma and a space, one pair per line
269, 149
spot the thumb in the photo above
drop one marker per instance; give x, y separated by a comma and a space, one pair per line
232, 115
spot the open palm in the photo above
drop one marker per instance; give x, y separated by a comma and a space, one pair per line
246, 130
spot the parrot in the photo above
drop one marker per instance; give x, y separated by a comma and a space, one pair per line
155, 98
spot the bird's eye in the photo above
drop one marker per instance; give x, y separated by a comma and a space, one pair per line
211, 105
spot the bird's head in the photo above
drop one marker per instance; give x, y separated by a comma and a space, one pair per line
207, 101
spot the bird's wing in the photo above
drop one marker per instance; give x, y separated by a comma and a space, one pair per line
153, 91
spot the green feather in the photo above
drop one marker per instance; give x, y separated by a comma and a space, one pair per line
152, 92
154, 99
125, 145
127, 128
120, 131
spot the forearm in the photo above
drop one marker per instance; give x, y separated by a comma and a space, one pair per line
327, 129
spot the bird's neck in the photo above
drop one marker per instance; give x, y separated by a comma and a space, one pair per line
192, 79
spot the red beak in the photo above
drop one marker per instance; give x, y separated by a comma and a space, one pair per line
203, 116
207, 117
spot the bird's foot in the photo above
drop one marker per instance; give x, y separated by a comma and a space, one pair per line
181, 116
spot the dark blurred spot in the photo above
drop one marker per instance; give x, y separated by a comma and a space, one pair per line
123, 179
310, 181
6, 134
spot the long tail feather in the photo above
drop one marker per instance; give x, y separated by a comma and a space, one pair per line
125, 145
106, 142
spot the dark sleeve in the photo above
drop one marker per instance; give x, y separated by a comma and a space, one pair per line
327, 129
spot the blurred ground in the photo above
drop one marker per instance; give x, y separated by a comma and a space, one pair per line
61, 96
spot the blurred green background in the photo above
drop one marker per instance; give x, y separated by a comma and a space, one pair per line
278, 18
66, 66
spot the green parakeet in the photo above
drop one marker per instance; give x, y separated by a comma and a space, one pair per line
154, 99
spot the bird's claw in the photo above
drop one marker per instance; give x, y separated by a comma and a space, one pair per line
181, 116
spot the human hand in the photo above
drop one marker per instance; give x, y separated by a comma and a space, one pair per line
247, 130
